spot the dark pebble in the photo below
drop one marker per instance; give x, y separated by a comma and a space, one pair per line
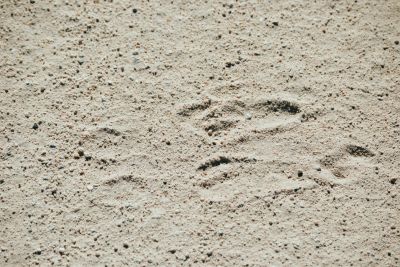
393, 181
35, 126
300, 173
134, 10
275, 23
81, 152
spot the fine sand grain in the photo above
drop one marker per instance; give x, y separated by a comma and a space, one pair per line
200, 133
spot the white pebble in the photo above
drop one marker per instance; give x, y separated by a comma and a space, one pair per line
248, 115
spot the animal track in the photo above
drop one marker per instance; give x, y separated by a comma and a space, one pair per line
339, 164
232, 118
220, 175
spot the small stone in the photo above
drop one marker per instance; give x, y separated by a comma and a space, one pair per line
393, 181
80, 152
248, 115
229, 64
134, 10
210, 132
90, 187
275, 23
76, 155
299, 173
35, 126
396, 42
125, 245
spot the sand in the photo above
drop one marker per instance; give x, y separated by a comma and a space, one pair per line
200, 133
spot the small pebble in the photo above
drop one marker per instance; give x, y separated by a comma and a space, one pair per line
80, 152
300, 173
76, 155
248, 115
229, 64
35, 126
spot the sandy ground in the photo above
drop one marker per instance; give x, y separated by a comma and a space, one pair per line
200, 133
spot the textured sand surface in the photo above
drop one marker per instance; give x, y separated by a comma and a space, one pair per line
237, 133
